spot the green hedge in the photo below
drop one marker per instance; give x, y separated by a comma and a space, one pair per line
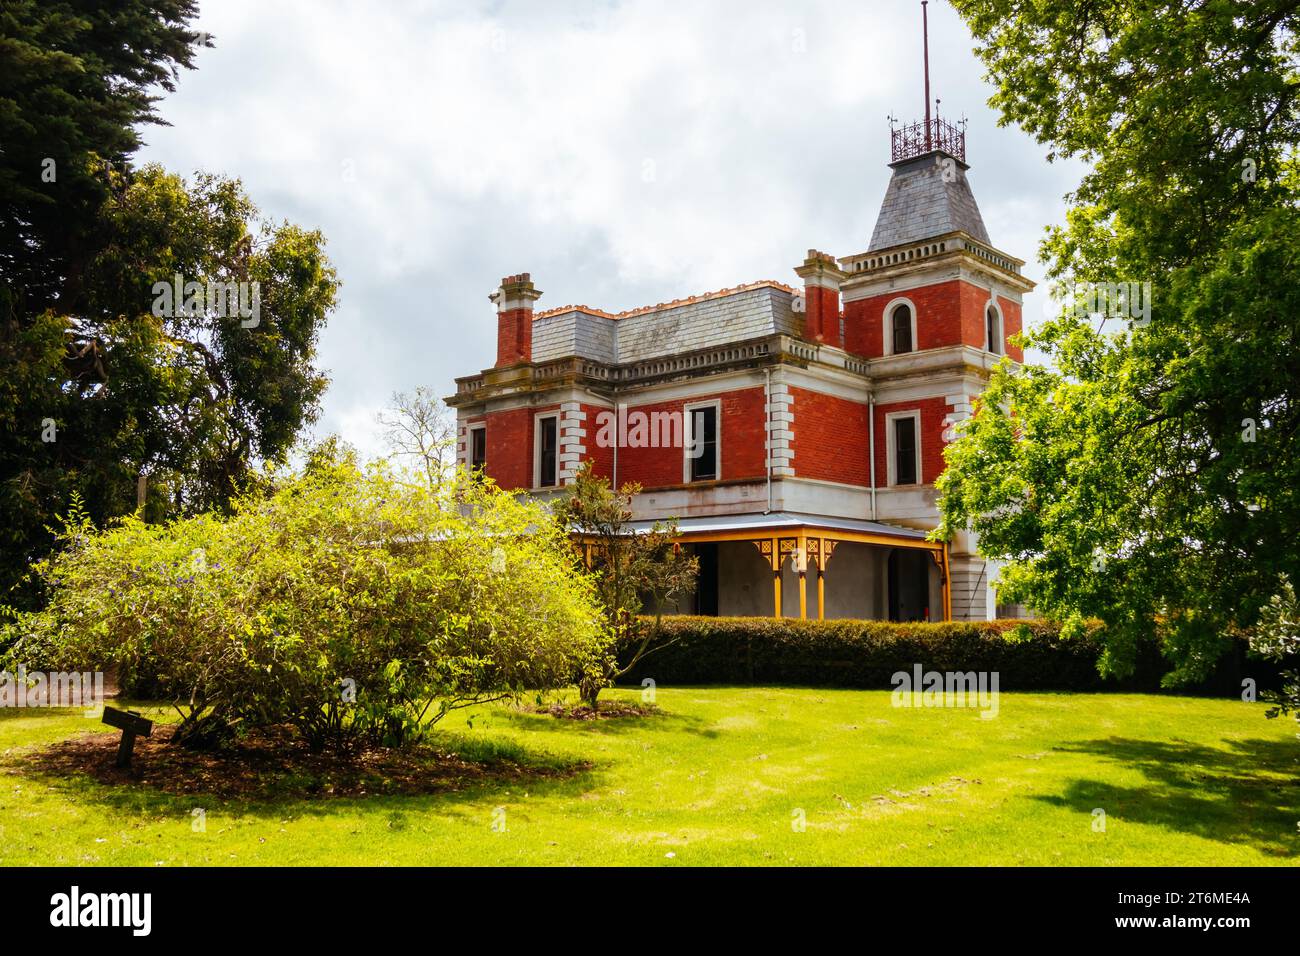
1028, 655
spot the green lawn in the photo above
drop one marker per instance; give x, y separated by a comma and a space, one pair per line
717, 778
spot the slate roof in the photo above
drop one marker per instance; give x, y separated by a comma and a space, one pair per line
705, 321
919, 204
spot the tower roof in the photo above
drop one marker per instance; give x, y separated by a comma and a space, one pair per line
928, 196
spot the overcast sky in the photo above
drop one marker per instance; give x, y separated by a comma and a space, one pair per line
623, 153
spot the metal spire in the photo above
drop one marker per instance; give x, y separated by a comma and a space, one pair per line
925, 41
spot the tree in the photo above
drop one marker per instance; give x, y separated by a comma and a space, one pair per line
419, 428
144, 382
106, 388
633, 571
350, 604
1149, 477
77, 81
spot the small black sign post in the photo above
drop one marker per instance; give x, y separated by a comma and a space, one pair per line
131, 724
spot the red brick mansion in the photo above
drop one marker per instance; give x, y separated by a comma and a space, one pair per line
796, 433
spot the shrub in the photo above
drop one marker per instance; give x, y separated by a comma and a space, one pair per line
349, 604
1028, 655
1276, 638
630, 571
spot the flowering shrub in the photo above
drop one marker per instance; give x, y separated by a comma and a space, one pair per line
350, 604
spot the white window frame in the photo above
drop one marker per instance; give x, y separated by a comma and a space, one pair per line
887, 325
891, 447
469, 444
687, 441
1002, 328
537, 449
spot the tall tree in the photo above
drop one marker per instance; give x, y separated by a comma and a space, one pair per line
107, 387
77, 80
1151, 473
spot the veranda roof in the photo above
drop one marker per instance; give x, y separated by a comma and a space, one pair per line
778, 521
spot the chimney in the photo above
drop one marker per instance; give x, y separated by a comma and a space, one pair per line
514, 302
821, 276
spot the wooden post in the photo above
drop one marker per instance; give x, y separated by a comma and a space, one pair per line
947, 586
802, 567
776, 578
131, 724
821, 579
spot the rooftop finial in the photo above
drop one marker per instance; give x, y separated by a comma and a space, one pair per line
933, 134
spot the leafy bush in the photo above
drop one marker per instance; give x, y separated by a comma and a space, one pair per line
349, 604
1028, 655
1277, 638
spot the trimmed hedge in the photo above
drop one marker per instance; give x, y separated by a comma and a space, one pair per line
854, 654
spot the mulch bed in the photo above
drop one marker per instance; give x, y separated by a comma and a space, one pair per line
605, 709
271, 765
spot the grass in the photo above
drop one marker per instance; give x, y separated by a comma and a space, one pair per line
719, 777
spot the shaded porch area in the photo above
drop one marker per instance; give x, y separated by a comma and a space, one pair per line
786, 564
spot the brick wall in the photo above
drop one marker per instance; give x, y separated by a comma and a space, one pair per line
947, 313
741, 430
830, 438
822, 315
1011, 318
933, 413
514, 336
510, 446
600, 455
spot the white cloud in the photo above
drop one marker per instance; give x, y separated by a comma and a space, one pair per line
624, 153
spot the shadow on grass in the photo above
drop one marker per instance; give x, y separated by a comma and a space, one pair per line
1248, 793
527, 718
273, 775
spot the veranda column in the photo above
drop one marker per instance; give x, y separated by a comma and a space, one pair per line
801, 565
776, 578
821, 579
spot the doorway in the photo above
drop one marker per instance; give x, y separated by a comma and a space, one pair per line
909, 585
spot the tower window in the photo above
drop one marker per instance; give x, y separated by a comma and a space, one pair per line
993, 324
901, 330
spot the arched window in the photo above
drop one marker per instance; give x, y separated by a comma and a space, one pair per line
901, 329
993, 329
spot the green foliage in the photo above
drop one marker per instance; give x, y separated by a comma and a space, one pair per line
192, 401
97, 387
633, 571
1150, 477
1277, 638
348, 604
77, 82
1027, 655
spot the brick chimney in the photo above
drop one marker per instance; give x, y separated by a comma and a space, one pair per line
821, 276
514, 302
